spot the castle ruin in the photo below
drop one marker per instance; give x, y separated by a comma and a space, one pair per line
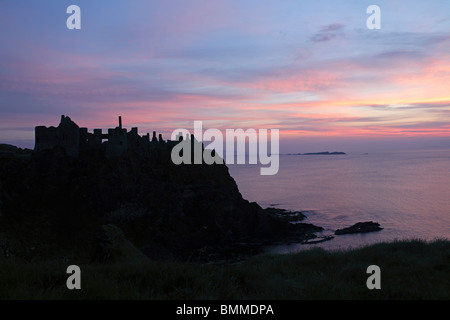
116, 142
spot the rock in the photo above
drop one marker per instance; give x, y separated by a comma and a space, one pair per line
114, 247
318, 240
360, 227
284, 214
307, 227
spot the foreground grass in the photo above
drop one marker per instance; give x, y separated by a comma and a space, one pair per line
409, 270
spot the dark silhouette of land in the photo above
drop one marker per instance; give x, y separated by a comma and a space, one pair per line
80, 194
118, 211
316, 153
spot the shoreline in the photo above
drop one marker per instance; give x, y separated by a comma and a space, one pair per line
318, 234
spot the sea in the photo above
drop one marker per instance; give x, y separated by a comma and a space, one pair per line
406, 192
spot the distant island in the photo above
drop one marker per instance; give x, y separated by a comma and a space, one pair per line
315, 153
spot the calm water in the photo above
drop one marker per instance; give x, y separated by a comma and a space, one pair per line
408, 193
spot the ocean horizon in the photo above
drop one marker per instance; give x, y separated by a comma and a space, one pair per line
407, 192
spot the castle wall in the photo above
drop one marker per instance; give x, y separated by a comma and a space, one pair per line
65, 135
118, 140
45, 138
68, 136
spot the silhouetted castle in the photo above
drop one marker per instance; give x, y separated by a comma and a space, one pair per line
75, 139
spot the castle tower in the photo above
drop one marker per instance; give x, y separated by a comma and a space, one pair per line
117, 141
65, 135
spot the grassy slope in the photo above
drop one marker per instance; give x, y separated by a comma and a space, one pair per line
409, 270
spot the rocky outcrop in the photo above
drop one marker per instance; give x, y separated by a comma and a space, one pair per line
291, 216
161, 207
360, 227
10, 151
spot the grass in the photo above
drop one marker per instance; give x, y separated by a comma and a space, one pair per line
409, 270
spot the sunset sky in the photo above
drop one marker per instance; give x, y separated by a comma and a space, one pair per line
309, 68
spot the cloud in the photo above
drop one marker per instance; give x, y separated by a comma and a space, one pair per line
332, 27
328, 33
414, 39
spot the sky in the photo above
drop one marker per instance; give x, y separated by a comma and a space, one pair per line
311, 69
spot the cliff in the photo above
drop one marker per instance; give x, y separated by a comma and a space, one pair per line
57, 204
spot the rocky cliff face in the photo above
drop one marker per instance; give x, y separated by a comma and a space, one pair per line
164, 210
